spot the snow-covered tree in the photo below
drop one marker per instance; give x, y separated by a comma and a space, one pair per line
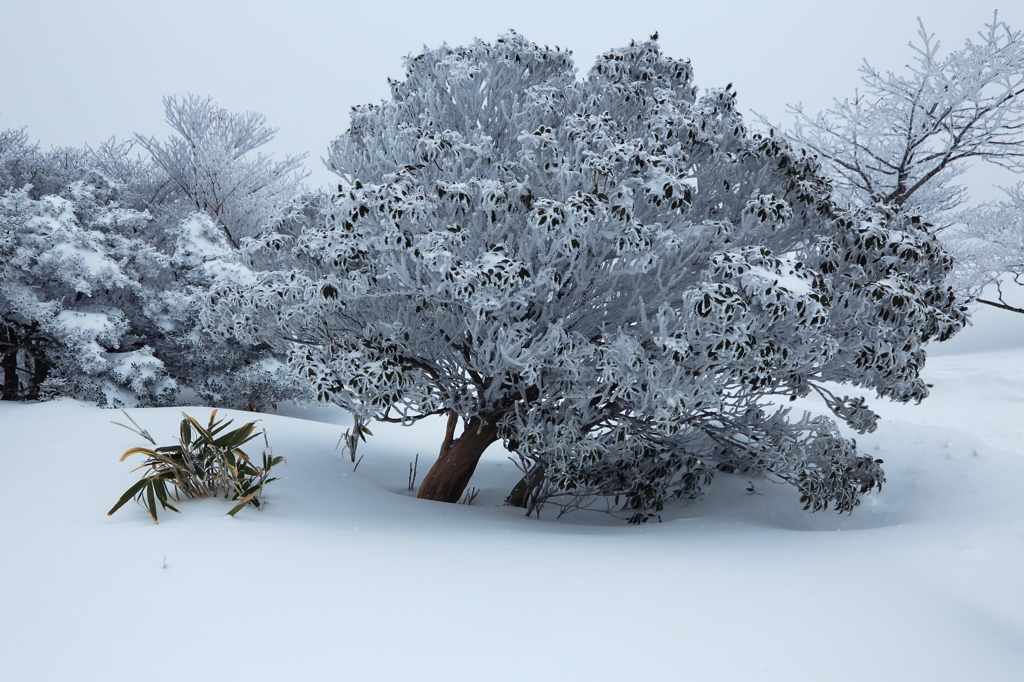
904, 142
18, 158
71, 273
211, 162
24, 165
220, 370
987, 243
101, 275
612, 276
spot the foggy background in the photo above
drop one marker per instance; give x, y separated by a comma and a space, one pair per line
76, 73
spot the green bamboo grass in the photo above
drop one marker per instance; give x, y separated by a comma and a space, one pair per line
207, 462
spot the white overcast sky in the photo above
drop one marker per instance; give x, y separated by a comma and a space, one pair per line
77, 72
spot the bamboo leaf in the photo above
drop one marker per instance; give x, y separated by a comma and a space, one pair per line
204, 434
133, 451
161, 493
186, 433
151, 503
239, 436
241, 504
129, 495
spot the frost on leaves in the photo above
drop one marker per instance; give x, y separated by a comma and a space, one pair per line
101, 277
612, 275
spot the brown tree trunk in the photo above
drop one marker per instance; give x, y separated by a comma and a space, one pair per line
524, 493
448, 478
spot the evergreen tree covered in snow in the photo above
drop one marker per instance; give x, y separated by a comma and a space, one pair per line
102, 272
72, 273
611, 276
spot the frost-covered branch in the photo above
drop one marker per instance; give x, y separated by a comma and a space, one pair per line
210, 163
611, 276
903, 142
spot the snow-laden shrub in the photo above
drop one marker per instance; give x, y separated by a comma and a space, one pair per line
219, 370
72, 271
24, 165
106, 259
100, 284
611, 276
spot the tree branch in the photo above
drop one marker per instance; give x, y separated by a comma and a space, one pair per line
1000, 305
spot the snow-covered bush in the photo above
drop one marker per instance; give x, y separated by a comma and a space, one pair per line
71, 273
220, 370
612, 276
100, 283
24, 165
19, 159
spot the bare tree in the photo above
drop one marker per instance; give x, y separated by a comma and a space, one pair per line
902, 143
210, 162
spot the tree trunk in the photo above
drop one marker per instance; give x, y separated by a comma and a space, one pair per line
40, 370
448, 478
9, 363
524, 493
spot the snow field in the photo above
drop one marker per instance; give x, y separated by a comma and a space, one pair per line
346, 576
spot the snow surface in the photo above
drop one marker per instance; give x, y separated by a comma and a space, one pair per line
95, 324
346, 576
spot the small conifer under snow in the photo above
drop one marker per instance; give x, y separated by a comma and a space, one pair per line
105, 259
